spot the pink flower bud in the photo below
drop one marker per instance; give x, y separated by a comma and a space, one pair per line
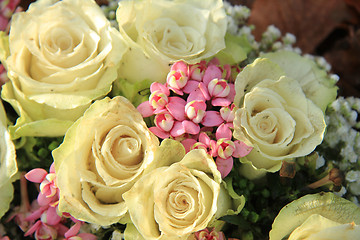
218, 88
178, 77
226, 148
197, 71
195, 110
228, 113
164, 121
158, 100
48, 185
207, 234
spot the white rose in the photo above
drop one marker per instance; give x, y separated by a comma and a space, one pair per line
317, 216
276, 118
312, 79
63, 55
177, 198
8, 166
162, 32
101, 157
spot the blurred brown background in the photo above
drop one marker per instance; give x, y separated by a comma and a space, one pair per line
329, 28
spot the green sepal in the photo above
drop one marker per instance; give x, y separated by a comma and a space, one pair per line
136, 93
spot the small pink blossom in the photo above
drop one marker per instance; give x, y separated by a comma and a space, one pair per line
195, 110
42, 231
218, 88
207, 234
228, 113
164, 121
196, 71
178, 77
48, 189
226, 148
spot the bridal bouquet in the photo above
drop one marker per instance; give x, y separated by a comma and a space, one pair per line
163, 119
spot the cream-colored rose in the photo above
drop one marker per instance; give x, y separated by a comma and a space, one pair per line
8, 166
317, 216
276, 118
162, 32
63, 55
102, 156
312, 79
177, 198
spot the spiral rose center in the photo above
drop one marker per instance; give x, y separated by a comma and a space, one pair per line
60, 40
124, 147
174, 40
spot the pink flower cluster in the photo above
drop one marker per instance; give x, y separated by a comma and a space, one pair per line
43, 218
7, 8
195, 107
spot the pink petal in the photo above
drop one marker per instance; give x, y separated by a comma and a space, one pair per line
43, 200
227, 69
36, 175
145, 109
36, 214
224, 166
190, 86
221, 102
155, 86
180, 66
241, 149
213, 148
87, 236
212, 119
73, 230
211, 72
204, 90
33, 228
191, 127
52, 168
196, 95
232, 92
223, 131
159, 133
52, 218
177, 130
177, 91
188, 143
176, 108
61, 229
204, 138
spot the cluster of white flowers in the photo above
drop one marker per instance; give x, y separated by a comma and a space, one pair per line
237, 16
343, 134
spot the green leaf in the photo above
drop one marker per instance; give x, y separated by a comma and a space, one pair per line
136, 93
235, 51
